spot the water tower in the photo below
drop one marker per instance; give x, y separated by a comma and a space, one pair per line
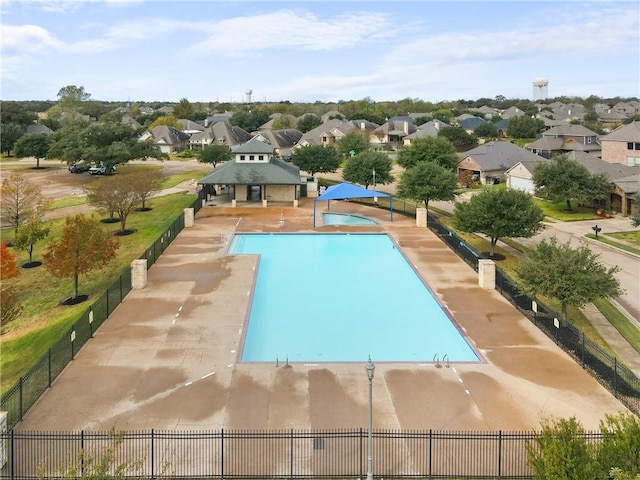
540, 85
247, 96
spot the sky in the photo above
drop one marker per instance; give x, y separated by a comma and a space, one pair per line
325, 51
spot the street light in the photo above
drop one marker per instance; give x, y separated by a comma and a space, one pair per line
370, 368
375, 199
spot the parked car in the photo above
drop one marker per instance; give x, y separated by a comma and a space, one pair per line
102, 169
78, 167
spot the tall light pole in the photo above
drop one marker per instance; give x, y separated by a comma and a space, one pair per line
375, 199
370, 368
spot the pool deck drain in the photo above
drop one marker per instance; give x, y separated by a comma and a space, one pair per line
134, 373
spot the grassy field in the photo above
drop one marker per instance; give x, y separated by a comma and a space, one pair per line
559, 211
43, 319
620, 322
613, 243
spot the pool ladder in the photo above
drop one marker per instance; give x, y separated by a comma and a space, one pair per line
445, 360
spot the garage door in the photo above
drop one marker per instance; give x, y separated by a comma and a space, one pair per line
519, 183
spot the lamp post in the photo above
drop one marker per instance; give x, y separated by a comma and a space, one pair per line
370, 368
375, 199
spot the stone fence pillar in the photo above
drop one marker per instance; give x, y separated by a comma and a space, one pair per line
487, 274
421, 217
188, 217
139, 273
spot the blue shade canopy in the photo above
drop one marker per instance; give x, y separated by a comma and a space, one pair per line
343, 191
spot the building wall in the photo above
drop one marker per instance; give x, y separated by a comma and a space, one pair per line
280, 193
617, 152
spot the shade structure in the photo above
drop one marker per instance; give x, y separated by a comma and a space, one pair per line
343, 191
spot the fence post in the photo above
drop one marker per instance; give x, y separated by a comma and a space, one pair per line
13, 454
152, 455
582, 353
120, 285
615, 376
222, 453
499, 453
291, 458
361, 456
430, 452
81, 452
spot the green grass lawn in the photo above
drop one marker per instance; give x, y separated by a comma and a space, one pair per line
620, 322
608, 241
558, 211
44, 320
631, 236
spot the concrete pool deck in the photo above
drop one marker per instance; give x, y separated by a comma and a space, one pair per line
167, 357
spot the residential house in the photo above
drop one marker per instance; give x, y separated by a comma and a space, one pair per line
282, 141
489, 162
282, 121
332, 131
607, 116
429, 129
392, 133
488, 112
625, 181
221, 133
332, 115
217, 117
255, 175
39, 128
520, 176
622, 145
169, 139
512, 112
566, 138
469, 122
132, 122
190, 127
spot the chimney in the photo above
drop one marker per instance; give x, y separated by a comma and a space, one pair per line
361, 125
436, 125
206, 122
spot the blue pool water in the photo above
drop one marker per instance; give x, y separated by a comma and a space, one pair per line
341, 298
345, 219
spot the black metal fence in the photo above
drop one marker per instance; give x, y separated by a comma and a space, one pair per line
271, 454
21, 397
614, 376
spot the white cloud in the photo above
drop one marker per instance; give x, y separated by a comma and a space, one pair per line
293, 30
27, 39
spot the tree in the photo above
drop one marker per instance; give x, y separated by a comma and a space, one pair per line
214, 154
438, 150
458, 136
620, 444
486, 130
8, 264
31, 233
84, 246
498, 213
73, 94
361, 167
352, 143
571, 276
33, 145
249, 120
102, 196
117, 195
10, 307
427, 181
561, 452
316, 159
564, 179
19, 197
168, 120
635, 218
145, 183
184, 109
524, 126
308, 122
110, 143
10, 133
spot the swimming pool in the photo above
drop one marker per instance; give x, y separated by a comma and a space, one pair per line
345, 219
341, 298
